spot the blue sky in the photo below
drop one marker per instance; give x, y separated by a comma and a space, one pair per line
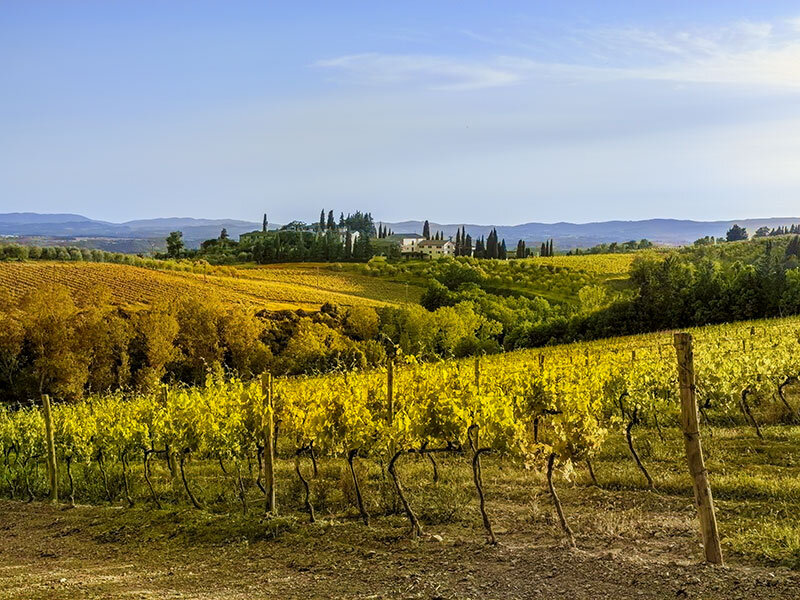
482, 112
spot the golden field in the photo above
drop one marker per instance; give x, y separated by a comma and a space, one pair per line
273, 287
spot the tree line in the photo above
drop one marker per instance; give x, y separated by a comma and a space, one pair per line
324, 241
68, 347
738, 233
684, 290
614, 248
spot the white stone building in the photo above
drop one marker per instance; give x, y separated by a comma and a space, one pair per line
436, 248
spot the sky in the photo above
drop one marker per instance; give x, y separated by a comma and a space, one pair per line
476, 112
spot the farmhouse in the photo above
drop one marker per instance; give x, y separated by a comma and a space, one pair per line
409, 243
436, 248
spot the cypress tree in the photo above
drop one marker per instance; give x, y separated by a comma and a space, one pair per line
322, 220
492, 247
467, 249
793, 248
480, 248
300, 248
426, 230
331, 222
458, 243
502, 253
521, 249
264, 224
348, 246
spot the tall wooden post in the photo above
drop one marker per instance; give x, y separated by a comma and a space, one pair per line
52, 471
478, 373
694, 450
269, 444
171, 460
390, 389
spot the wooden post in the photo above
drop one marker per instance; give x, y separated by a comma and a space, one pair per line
390, 389
269, 443
541, 362
52, 471
694, 450
478, 373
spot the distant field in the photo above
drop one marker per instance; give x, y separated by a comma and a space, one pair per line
273, 287
557, 279
596, 264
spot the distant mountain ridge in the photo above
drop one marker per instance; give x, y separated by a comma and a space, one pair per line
30, 217
68, 225
672, 232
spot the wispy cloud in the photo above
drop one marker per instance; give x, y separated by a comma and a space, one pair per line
435, 72
744, 53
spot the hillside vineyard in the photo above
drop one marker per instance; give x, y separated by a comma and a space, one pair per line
555, 407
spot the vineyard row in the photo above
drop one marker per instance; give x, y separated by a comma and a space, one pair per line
555, 407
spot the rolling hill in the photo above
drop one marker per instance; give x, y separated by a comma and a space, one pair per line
275, 287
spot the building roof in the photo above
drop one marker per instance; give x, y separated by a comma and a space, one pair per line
437, 243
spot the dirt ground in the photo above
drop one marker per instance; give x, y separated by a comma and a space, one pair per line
102, 552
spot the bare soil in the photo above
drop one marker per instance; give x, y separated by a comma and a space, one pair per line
106, 552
